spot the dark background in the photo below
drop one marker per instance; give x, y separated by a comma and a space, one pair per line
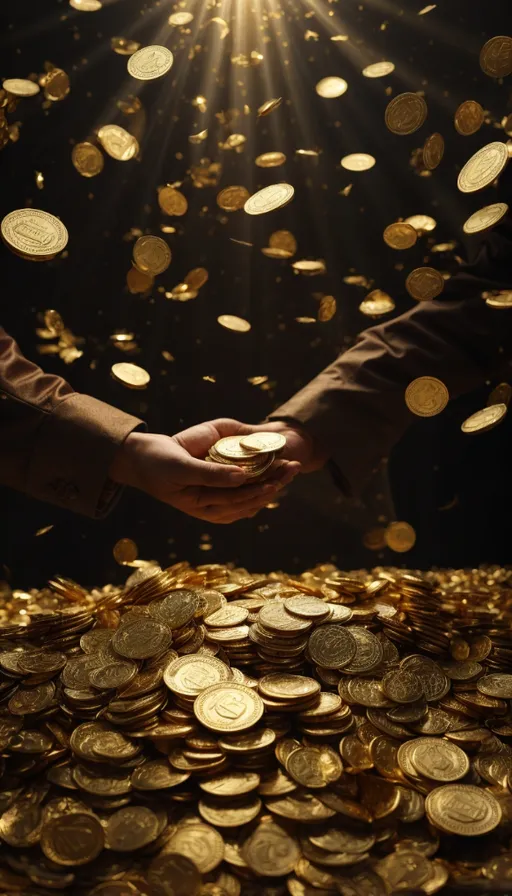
435, 465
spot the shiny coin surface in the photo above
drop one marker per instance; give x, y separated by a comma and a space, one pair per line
378, 69
150, 62
496, 57
34, 233
406, 113
469, 118
484, 167
377, 303
439, 759
485, 217
332, 646
463, 809
180, 18
86, 5
485, 419
228, 707
231, 199
189, 675
314, 767
496, 685
21, 87
433, 151
199, 842
426, 396
424, 284
263, 441
151, 255
269, 105
400, 236
141, 638
281, 685
331, 87
500, 300
130, 375
358, 161
118, 143
269, 198
72, 838
171, 201
232, 322
270, 160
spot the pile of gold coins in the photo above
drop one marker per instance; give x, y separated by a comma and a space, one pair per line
254, 454
207, 732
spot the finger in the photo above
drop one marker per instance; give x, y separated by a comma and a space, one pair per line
199, 472
282, 472
225, 426
207, 497
220, 513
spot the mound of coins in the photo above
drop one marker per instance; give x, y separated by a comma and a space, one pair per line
254, 454
208, 732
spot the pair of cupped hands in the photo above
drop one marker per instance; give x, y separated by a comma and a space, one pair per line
173, 470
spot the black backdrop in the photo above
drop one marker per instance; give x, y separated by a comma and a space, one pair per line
435, 465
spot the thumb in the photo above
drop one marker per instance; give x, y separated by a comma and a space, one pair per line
199, 472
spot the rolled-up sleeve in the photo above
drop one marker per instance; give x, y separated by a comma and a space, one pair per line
55, 444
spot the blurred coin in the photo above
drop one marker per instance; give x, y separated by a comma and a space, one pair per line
358, 161
331, 87
151, 255
433, 151
406, 113
378, 69
469, 118
21, 87
485, 217
424, 284
231, 322
269, 198
130, 375
400, 235
118, 143
426, 396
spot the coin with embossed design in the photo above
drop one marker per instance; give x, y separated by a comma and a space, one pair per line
439, 759
189, 675
332, 646
199, 842
270, 851
33, 233
228, 707
405, 113
496, 56
463, 809
433, 151
150, 62
426, 396
483, 167
424, 284
469, 118
485, 217
73, 838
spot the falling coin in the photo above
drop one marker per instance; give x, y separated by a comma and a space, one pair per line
130, 375
485, 419
406, 113
426, 396
485, 217
33, 233
118, 143
377, 303
269, 198
400, 536
150, 62
433, 151
87, 159
269, 106
151, 255
358, 161
231, 199
469, 118
378, 69
400, 235
21, 87
232, 322
270, 160
496, 57
424, 284
483, 168
332, 87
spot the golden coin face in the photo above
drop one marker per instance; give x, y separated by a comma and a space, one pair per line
485, 419
463, 809
189, 675
405, 113
199, 842
422, 223
433, 151
56, 85
231, 199
34, 233
125, 551
130, 375
405, 869
314, 767
368, 653
171, 201
283, 239
498, 684
332, 87
270, 851
269, 198
270, 160
180, 18
424, 284
231, 322
150, 62
87, 159
151, 255
485, 217
174, 875
332, 646
400, 537
21, 87
72, 838
378, 69
269, 106
400, 235
439, 759
228, 707
377, 303
358, 161
282, 685
263, 441
231, 783
496, 57
231, 448
426, 396
402, 686
118, 143
483, 167
469, 118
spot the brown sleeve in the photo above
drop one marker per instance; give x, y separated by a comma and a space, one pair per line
356, 409
55, 444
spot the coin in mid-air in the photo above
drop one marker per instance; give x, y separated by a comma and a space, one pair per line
86, 5
377, 303
21, 87
180, 18
171, 201
87, 159
496, 56
485, 419
378, 69
269, 105
484, 167
433, 151
400, 536
499, 300
331, 87
150, 62
485, 217
130, 375
269, 198
231, 199
469, 118
424, 284
118, 143
33, 233
151, 255
358, 161
405, 113
426, 396
400, 235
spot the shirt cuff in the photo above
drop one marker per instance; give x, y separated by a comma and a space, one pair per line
73, 451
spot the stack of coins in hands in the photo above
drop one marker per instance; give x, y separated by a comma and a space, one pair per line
254, 454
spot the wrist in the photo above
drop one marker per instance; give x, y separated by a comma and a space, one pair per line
122, 468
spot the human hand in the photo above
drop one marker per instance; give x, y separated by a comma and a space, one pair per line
300, 445
172, 469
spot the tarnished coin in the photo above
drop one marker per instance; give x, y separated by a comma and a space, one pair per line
483, 168
30, 700
485, 419
270, 159
400, 235
314, 767
42, 661
73, 838
231, 199
463, 809
331, 646
433, 151
118, 143
131, 828
263, 441
189, 675
400, 536
228, 707
498, 684
285, 686
33, 233
424, 284
402, 686
331, 87
21, 87
405, 113
171, 201
469, 118
378, 70
426, 396
496, 57
358, 161
485, 217
113, 675
150, 62
377, 303
151, 255
269, 198
439, 759
270, 851
174, 875
130, 375
199, 842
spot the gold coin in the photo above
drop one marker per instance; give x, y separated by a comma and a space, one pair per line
123, 46
500, 300
151, 255
463, 809
231, 783
400, 235
269, 106
378, 69
199, 842
424, 284
72, 838
156, 774
269, 198
404, 870
137, 282
498, 684
405, 113
150, 62
400, 537
439, 759
307, 607
53, 322
171, 201
422, 223
263, 441
56, 85
485, 217
331, 87
231, 448
332, 646
270, 159
131, 828
86, 5
231, 199
174, 875
483, 168
426, 396
180, 18
327, 308
232, 815
118, 143
434, 681
141, 638
34, 234
87, 159
314, 767
189, 675
284, 686
358, 161
402, 686
485, 419
283, 239
496, 57
309, 266
21, 87
270, 851
130, 375
125, 551
226, 616
196, 278
228, 707
377, 303
501, 394
469, 118
231, 322
433, 151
